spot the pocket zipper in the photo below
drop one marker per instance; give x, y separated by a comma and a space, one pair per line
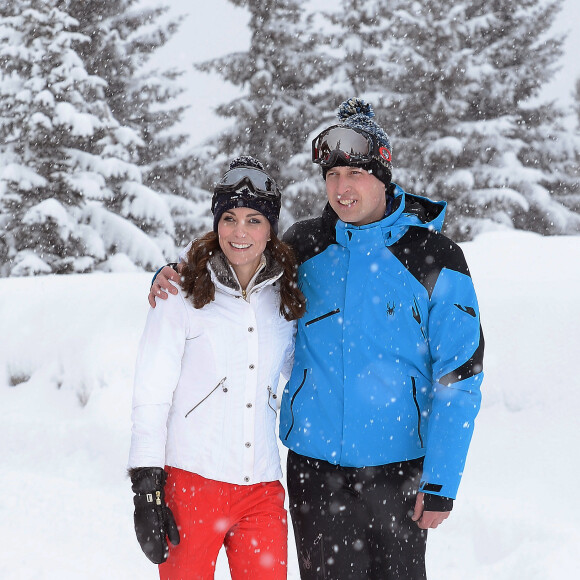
319, 318
273, 395
209, 394
292, 403
418, 410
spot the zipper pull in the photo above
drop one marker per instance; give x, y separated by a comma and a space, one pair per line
158, 497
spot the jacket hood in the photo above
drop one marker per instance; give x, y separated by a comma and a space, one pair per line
416, 210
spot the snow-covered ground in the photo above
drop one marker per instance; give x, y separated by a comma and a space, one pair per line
66, 365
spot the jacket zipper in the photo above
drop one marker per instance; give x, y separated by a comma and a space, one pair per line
209, 394
322, 562
418, 410
319, 318
292, 403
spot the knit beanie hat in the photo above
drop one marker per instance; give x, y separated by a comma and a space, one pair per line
357, 114
246, 194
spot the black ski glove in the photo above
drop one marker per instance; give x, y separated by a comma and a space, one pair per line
153, 519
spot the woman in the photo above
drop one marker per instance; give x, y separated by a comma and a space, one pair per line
204, 404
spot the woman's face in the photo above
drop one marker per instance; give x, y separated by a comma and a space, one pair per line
243, 234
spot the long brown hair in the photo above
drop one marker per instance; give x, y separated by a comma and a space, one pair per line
196, 279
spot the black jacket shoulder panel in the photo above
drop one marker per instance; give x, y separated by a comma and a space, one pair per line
426, 252
312, 236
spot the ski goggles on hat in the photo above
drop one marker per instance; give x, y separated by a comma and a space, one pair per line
353, 146
249, 182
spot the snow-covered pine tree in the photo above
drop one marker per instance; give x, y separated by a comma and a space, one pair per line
358, 36
124, 35
577, 102
72, 197
466, 120
353, 38
273, 120
569, 192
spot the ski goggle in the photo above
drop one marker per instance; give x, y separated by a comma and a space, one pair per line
352, 146
249, 182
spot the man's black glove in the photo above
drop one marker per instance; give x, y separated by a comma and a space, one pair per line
153, 519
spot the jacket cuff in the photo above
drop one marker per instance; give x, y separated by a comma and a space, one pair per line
437, 503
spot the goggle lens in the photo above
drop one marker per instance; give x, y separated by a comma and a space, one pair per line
247, 182
350, 144
259, 180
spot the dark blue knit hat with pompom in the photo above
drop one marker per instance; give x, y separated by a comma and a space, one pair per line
268, 207
357, 114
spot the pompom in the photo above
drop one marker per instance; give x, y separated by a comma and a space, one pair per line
246, 161
355, 106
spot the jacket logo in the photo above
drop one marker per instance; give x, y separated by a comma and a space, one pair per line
390, 308
467, 309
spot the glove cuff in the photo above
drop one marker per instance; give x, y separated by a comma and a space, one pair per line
147, 479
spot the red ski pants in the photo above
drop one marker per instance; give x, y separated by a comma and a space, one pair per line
249, 520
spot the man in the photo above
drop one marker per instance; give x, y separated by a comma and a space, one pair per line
378, 413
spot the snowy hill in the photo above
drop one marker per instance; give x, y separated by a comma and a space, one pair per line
66, 365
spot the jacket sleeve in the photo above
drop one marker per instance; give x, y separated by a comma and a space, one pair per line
288, 361
157, 372
456, 344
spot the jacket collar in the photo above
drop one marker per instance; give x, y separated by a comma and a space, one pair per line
406, 210
224, 276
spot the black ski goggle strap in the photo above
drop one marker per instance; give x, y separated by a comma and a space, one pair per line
351, 145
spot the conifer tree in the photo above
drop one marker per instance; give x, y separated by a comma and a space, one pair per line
453, 86
457, 89
72, 197
359, 37
568, 193
124, 35
463, 118
275, 116
577, 103
354, 39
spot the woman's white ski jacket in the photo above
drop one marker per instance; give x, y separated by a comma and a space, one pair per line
205, 393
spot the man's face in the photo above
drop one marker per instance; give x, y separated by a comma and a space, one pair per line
356, 195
